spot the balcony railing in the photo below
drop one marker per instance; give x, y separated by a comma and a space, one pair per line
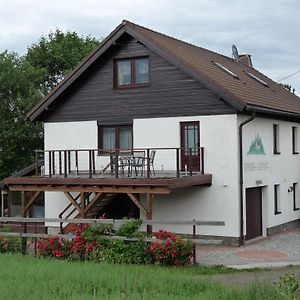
117, 163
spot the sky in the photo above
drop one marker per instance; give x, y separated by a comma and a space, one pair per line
269, 30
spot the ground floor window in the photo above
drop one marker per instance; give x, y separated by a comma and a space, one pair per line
295, 198
276, 200
115, 137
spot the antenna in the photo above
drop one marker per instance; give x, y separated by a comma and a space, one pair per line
235, 52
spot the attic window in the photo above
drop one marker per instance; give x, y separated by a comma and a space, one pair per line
257, 79
221, 67
131, 72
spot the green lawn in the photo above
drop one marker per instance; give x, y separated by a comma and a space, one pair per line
33, 278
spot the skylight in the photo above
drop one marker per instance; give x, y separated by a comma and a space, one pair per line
220, 66
257, 79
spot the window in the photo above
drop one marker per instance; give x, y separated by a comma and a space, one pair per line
257, 79
276, 139
118, 137
294, 197
295, 140
226, 70
131, 72
276, 200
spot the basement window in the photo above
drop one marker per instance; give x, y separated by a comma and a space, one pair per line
295, 200
221, 67
257, 79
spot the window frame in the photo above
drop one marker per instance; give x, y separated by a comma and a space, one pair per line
276, 139
133, 83
276, 199
294, 197
117, 137
295, 140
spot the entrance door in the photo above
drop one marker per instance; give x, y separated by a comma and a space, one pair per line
253, 213
190, 143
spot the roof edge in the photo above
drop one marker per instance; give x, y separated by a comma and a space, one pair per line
76, 72
270, 111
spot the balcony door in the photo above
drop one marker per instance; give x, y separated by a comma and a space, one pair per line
190, 143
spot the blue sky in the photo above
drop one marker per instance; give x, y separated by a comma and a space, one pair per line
269, 30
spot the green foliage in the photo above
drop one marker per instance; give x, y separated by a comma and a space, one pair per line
19, 92
288, 287
130, 228
92, 231
91, 243
288, 87
24, 80
172, 250
121, 252
57, 53
9, 244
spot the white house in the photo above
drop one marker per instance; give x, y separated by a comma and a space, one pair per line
207, 137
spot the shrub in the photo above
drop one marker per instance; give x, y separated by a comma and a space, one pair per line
78, 248
89, 242
287, 286
9, 244
170, 249
130, 228
53, 247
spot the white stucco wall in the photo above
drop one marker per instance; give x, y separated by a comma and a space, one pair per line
220, 202
218, 136
268, 169
67, 136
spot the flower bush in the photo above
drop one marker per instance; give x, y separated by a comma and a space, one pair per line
170, 249
90, 242
76, 248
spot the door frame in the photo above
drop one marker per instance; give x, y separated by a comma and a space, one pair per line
196, 158
260, 214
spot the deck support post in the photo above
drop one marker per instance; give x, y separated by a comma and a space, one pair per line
82, 204
149, 198
24, 239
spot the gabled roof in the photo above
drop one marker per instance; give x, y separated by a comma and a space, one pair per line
248, 89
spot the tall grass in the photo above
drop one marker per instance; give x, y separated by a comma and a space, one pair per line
32, 278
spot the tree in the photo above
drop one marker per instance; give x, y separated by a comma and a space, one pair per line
24, 80
288, 87
19, 92
57, 53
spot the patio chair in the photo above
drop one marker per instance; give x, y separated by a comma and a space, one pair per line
124, 162
137, 163
151, 160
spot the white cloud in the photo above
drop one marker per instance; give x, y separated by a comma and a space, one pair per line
269, 29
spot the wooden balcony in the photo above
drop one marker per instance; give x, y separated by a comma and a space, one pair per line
140, 170
132, 163
89, 177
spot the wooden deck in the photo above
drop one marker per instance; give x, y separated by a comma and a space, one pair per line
107, 185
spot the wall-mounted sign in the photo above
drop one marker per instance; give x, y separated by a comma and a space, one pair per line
256, 147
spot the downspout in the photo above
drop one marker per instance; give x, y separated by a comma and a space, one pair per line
241, 242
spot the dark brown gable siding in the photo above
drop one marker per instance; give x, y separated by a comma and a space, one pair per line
171, 93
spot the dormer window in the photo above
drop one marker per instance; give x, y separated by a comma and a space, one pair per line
131, 72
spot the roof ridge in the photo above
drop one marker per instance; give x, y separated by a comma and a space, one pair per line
125, 22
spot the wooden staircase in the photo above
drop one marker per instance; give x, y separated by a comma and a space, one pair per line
93, 213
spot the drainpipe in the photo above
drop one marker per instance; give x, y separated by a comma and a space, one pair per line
241, 242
